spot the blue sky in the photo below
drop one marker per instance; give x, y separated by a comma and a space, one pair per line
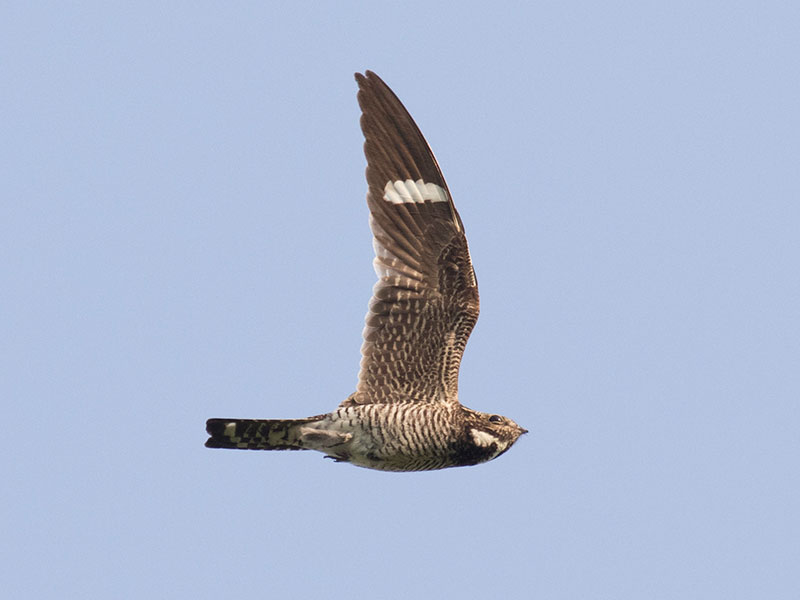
184, 235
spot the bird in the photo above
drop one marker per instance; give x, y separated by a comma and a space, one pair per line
405, 414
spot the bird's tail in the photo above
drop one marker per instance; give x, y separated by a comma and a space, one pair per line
256, 434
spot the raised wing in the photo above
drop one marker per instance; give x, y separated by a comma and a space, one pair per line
425, 302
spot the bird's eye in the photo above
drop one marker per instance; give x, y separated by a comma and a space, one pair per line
495, 419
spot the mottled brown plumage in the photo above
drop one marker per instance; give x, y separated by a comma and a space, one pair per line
405, 414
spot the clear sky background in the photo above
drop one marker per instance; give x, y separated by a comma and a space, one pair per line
184, 235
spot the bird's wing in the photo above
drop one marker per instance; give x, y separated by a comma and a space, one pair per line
425, 302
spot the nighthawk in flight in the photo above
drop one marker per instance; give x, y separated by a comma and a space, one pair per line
405, 414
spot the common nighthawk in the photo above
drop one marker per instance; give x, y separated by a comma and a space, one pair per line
405, 414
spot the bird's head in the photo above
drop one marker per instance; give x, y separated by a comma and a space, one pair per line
491, 434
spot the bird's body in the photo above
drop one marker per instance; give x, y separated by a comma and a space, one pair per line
398, 436
405, 414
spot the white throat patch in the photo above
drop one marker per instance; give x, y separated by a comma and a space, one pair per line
481, 438
398, 192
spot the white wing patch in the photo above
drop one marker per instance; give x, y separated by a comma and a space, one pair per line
398, 192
